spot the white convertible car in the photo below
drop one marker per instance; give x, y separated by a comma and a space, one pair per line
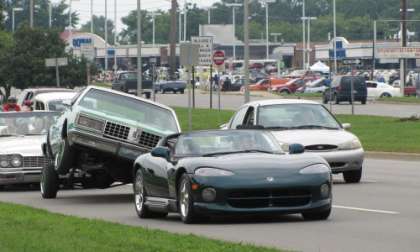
381, 90
21, 137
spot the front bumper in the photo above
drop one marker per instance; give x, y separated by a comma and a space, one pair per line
344, 160
252, 196
20, 176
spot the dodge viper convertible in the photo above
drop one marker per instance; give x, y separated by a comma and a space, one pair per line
99, 136
200, 174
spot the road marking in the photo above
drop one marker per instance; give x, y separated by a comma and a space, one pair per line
365, 209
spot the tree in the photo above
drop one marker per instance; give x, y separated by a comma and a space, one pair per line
6, 45
60, 15
99, 28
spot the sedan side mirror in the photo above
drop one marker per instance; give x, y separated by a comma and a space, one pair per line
296, 149
162, 152
67, 103
346, 126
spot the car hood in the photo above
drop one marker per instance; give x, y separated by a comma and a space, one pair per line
23, 145
309, 137
256, 163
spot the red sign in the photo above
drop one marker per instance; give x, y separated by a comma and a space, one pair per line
219, 58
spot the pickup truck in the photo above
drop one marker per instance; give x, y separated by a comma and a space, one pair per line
171, 86
127, 82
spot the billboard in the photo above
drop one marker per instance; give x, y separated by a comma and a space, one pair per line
398, 53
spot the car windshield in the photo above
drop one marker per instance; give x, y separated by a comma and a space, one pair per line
26, 123
130, 109
128, 76
296, 116
57, 105
214, 143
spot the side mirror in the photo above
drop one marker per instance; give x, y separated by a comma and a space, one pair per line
67, 103
161, 152
296, 149
346, 126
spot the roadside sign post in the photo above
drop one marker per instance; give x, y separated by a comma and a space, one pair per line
56, 62
88, 51
189, 57
353, 63
205, 59
219, 59
153, 62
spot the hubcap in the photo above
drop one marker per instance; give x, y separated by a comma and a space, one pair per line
138, 197
184, 200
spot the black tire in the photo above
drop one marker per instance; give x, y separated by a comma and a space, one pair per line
284, 91
182, 91
174, 91
64, 159
352, 177
185, 201
317, 215
50, 183
162, 90
324, 99
142, 210
386, 95
337, 100
364, 101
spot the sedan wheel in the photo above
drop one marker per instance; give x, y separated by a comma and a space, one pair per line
49, 184
317, 215
186, 201
353, 176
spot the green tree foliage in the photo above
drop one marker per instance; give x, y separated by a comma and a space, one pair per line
60, 14
99, 28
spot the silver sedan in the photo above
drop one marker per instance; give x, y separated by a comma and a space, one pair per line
307, 123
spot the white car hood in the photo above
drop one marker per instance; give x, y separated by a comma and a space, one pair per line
313, 137
23, 145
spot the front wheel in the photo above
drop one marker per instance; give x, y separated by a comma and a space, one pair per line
353, 176
49, 182
317, 215
182, 91
186, 201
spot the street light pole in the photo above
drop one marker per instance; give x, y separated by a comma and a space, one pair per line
185, 22
308, 49
403, 44
91, 16
246, 49
106, 35
13, 17
139, 45
303, 35
335, 37
180, 26
267, 27
234, 5
154, 14
49, 15
115, 37
31, 13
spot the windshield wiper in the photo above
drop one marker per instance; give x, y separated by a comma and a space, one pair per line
314, 127
235, 152
277, 128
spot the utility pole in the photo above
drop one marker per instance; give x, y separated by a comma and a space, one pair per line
31, 13
14, 10
335, 37
303, 35
139, 63
234, 6
91, 16
267, 46
154, 14
246, 49
106, 35
115, 37
185, 22
172, 60
403, 44
49, 15
308, 50
374, 50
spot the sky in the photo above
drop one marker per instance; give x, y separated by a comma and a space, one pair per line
124, 7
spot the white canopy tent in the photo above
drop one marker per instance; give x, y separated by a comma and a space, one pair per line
320, 67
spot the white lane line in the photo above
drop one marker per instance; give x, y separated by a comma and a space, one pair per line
365, 210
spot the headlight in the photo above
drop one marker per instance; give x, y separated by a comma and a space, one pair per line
4, 163
16, 161
284, 147
90, 123
212, 172
315, 169
351, 145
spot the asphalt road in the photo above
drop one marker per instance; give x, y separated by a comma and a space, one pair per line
380, 214
234, 101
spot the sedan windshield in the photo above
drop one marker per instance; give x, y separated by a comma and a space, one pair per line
296, 116
26, 123
130, 109
213, 143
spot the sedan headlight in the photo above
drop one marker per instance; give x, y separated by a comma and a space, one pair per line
351, 145
16, 161
212, 172
4, 163
315, 169
90, 123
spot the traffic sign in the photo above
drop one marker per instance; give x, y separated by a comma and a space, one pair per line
219, 58
206, 48
189, 54
351, 62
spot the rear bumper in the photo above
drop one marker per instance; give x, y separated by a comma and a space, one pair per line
341, 161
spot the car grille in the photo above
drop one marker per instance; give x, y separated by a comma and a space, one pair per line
32, 162
148, 140
321, 147
269, 198
114, 130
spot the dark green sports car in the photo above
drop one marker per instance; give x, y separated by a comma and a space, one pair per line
204, 173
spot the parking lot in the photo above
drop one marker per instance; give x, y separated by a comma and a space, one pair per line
380, 214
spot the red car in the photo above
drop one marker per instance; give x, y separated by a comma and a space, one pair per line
410, 91
288, 88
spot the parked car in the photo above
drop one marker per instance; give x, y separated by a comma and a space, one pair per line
127, 82
341, 89
230, 172
235, 86
96, 140
261, 85
380, 90
308, 123
171, 86
21, 136
316, 86
408, 90
52, 101
289, 87
30, 93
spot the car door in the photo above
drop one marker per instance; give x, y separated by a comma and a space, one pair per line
238, 118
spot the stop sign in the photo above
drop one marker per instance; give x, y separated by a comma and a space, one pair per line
219, 58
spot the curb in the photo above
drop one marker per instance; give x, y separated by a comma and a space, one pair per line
393, 155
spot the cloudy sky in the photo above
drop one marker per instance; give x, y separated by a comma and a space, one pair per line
124, 7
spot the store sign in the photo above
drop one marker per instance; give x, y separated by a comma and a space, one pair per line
398, 53
77, 42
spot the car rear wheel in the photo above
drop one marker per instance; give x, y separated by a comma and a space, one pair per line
337, 100
140, 198
182, 91
284, 92
49, 184
324, 99
317, 215
385, 95
186, 201
353, 176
